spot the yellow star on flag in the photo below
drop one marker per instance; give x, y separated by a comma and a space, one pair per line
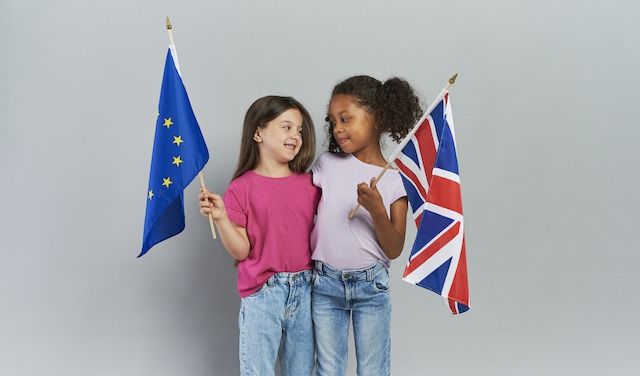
177, 160
167, 122
167, 181
150, 194
177, 140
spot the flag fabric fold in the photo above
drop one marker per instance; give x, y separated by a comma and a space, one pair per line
179, 153
428, 164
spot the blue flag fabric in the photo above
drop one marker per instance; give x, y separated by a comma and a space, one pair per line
179, 153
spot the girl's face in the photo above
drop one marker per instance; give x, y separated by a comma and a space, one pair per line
281, 138
353, 126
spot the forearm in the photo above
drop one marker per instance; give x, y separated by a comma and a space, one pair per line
236, 244
389, 238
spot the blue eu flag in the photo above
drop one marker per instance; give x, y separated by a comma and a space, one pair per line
179, 153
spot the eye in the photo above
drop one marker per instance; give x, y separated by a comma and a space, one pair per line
344, 119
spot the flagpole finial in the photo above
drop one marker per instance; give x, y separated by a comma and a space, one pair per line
170, 31
452, 80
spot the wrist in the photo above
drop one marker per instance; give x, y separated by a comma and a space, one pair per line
222, 219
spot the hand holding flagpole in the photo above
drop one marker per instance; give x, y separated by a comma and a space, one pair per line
393, 155
200, 175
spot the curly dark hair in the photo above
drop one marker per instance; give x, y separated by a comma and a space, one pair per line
394, 105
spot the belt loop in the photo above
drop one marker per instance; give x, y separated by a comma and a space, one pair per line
370, 274
271, 281
319, 267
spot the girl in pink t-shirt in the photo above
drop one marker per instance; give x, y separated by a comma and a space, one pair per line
265, 219
352, 255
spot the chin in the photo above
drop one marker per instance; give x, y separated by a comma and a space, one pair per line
289, 158
346, 150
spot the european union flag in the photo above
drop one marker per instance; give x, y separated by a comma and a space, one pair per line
179, 153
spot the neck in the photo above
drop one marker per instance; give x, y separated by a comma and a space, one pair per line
272, 169
371, 154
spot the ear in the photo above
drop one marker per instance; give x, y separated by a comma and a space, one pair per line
256, 136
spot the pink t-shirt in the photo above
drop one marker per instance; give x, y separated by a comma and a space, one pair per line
336, 240
278, 214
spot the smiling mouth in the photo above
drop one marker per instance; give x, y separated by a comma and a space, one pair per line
290, 147
342, 141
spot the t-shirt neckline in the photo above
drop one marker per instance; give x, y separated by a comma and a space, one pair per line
271, 178
365, 163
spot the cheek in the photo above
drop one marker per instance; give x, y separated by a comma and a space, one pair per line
365, 130
279, 136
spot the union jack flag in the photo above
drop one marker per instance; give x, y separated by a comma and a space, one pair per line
428, 164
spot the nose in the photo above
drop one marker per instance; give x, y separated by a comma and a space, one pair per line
296, 136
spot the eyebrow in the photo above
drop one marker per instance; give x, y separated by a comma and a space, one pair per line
339, 113
288, 122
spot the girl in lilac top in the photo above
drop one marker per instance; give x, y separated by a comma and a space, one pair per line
351, 281
265, 219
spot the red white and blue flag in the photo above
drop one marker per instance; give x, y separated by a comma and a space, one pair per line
428, 164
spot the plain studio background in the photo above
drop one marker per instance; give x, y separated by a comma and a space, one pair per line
546, 118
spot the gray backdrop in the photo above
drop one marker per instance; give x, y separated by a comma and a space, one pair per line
545, 108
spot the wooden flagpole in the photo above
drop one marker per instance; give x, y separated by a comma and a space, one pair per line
200, 175
404, 142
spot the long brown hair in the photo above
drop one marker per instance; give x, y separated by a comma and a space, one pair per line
259, 114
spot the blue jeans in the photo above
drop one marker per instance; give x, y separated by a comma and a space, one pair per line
275, 322
363, 296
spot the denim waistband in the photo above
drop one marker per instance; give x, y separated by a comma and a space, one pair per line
295, 278
365, 274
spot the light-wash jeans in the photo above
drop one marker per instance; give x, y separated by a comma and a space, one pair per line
363, 296
275, 322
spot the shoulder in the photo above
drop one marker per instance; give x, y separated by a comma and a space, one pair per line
395, 186
329, 158
396, 178
303, 178
394, 174
391, 179
336, 157
321, 159
304, 182
241, 184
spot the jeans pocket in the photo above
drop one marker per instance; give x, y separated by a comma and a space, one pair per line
381, 282
380, 287
260, 291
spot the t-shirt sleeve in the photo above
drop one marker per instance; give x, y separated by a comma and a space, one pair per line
316, 171
235, 204
398, 190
